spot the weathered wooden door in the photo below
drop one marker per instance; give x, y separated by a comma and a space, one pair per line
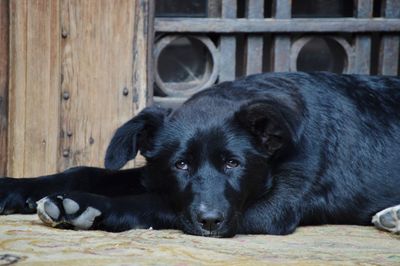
77, 69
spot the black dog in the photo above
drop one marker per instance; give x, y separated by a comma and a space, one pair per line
261, 155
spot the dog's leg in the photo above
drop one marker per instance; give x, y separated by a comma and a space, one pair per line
269, 217
86, 211
20, 195
388, 219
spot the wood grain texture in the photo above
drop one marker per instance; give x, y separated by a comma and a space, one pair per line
390, 44
363, 43
34, 87
143, 77
104, 53
227, 45
78, 70
169, 102
268, 25
4, 75
143, 61
254, 43
17, 87
281, 43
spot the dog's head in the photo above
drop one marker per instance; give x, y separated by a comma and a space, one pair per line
210, 167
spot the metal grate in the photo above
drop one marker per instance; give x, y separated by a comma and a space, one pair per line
256, 36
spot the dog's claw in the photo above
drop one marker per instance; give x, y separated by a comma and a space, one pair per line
2, 207
31, 204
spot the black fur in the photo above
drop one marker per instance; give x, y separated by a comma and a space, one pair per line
260, 155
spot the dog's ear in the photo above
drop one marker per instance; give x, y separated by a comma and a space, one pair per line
274, 124
136, 134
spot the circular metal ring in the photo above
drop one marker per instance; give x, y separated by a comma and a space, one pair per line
299, 44
211, 71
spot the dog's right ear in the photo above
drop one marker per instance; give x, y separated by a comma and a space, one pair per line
136, 134
274, 124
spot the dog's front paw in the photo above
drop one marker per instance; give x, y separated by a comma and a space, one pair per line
388, 219
17, 196
68, 211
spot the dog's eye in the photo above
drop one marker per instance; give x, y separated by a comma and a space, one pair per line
231, 163
182, 165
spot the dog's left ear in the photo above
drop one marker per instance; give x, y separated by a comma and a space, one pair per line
274, 124
136, 134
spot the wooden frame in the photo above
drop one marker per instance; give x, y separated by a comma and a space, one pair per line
284, 48
281, 28
4, 75
302, 25
390, 43
348, 49
211, 71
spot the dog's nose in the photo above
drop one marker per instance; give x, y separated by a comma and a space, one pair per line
210, 220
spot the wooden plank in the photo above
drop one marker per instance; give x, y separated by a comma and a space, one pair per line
391, 8
281, 44
229, 8
363, 44
389, 47
169, 102
143, 68
304, 25
4, 75
18, 43
104, 67
43, 85
227, 45
227, 64
214, 9
254, 43
364, 8
143, 77
282, 9
34, 87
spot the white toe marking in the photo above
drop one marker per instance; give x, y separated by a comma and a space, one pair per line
392, 210
60, 197
70, 206
85, 220
42, 213
51, 209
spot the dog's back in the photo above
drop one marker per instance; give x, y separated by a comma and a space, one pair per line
354, 122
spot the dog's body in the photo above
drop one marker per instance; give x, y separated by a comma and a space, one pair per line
263, 154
